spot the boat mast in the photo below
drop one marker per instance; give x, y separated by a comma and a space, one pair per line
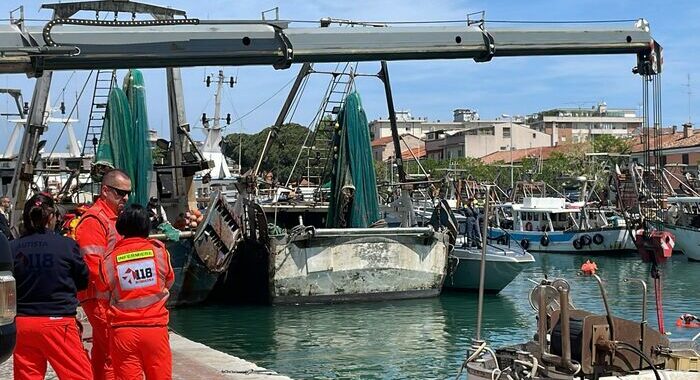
28, 155
303, 72
384, 76
211, 149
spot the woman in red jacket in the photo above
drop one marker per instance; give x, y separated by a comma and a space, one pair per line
138, 274
49, 272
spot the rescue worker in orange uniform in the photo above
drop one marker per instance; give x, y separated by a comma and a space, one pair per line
137, 273
49, 271
96, 235
71, 221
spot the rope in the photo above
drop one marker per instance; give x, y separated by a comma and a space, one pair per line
656, 275
471, 357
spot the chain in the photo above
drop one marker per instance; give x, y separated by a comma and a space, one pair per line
61, 21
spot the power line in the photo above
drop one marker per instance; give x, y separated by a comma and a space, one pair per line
265, 101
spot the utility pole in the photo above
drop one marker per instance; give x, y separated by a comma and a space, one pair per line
510, 146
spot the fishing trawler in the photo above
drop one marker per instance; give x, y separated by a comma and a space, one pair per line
542, 224
338, 250
67, 43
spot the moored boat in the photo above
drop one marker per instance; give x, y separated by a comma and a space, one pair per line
503, 263
359, 264
684, 223
551, 225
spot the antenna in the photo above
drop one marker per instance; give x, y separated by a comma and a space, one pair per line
219, 80
690, 93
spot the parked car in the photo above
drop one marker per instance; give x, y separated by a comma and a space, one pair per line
8, 301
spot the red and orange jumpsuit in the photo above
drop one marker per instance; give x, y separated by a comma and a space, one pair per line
96, 235
138, 274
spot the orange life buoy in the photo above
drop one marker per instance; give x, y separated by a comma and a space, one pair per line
528, 226
681, 323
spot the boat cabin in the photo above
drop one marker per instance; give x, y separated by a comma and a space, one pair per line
684, 211
552, 214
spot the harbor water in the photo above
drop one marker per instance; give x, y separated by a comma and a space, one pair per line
425, 339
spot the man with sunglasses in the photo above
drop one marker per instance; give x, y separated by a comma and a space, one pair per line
96, 235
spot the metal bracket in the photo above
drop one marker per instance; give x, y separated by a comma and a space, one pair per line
650, 62
600, 332
285, 47
490, 45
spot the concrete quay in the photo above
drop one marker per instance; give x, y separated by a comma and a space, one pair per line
191, 360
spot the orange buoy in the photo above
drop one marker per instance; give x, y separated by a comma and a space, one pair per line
688, 320
589, 267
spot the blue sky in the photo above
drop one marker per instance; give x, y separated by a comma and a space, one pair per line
429, 89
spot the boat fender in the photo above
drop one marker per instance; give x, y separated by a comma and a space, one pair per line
525, 244
585, 240
544, 240
598, 239
577, 244
528, 226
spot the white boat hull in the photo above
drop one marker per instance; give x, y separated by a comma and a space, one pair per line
614, 241
502, 266
383, 265
687, 240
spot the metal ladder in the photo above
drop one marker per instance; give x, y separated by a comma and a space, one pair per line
320, 147
104, 82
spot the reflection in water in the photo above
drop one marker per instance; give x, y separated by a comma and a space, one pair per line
422, 338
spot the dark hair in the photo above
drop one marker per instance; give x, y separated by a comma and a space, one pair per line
36, 213
134, 221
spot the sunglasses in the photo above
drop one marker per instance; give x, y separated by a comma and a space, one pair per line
120, 192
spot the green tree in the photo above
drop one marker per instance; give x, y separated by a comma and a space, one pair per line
282, 153
611, 144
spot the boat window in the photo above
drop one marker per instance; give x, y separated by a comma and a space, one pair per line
562, 217
536, 217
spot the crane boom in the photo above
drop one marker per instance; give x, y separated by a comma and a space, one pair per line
69, 44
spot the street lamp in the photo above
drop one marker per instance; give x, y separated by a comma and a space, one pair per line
510, 126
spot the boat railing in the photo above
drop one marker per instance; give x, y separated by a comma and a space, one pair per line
509, 241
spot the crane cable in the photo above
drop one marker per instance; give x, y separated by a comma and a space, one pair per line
67, 120
651, 210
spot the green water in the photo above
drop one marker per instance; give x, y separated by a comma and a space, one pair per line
422, 339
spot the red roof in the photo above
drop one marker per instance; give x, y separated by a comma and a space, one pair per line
381, 141
419, 152
668, 141
520, 154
